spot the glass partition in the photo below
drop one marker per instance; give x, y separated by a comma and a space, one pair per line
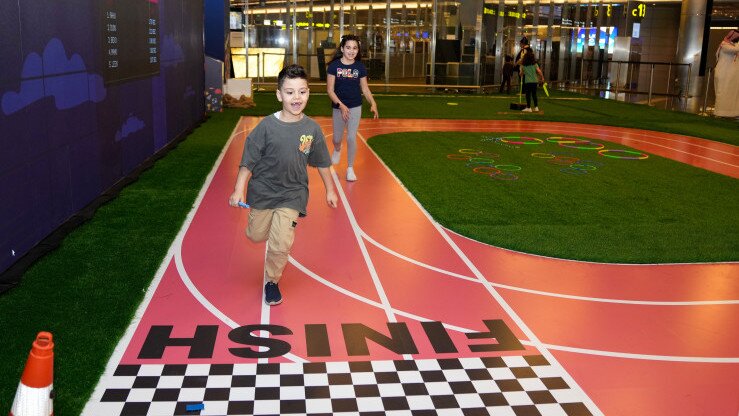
458, 45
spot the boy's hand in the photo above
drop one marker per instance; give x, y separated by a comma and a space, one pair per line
234, 199
373, 109
331, 199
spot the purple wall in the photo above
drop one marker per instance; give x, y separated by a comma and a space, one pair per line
65, 134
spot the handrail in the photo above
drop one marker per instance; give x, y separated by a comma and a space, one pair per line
635, 62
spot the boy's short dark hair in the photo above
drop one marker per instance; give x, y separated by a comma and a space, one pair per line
292, 72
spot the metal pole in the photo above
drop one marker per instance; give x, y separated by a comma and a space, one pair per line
582, 67
341, 19
687, 89
618, 77
388, 38
295, 32
478, 43
432, 52
705, 94
651, 79
669, 73
550, 33
500, 51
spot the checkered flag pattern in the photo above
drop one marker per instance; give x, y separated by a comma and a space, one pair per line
511, 385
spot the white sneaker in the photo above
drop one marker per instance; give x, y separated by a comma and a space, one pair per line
536, 109
527, 110
335, 157
350, 176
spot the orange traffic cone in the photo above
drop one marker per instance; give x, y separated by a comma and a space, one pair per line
34, 396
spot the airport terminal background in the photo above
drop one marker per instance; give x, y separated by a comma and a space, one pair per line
102, 61
92, 92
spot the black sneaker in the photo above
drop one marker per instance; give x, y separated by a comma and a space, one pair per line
272, 294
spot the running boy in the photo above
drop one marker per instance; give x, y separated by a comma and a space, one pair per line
274, 164
346, 81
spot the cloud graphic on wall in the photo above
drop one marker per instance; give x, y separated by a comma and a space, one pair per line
130, 126
171, 52
54, 75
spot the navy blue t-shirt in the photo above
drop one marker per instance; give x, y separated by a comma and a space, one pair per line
347, 86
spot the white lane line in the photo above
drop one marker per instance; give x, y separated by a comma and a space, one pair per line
414, 261
494, 293
583, 132
210, 307
334, 286
192, 288
650, 357
107, 378
543, 293
585, 351
620, 301
613, 131
365, 254
712, 263
264, 312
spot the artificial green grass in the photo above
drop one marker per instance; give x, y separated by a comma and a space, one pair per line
625, 211
87, 291
562, 107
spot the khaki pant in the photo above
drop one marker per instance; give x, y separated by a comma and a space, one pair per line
277, 226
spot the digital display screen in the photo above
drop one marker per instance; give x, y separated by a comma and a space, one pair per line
130, 38
587, 37
235, 20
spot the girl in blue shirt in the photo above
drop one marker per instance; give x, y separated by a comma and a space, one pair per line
530, 75
346, 82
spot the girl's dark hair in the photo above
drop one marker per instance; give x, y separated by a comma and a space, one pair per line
344, 39
292, 72
528, 57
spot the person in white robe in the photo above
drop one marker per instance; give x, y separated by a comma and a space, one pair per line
726, 80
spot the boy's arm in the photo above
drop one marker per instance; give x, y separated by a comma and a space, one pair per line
541, 74
328, 183
240, 189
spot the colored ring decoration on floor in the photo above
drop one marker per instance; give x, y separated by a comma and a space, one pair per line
560, 139
471, 164
543, 155
585, 145
573, 171
564, 160
640, 155
457, 156
504, 176
595, 163
522, 140
582, 167
481, 160
486, 170
508, 168
469, 151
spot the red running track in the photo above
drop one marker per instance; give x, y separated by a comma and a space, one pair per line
637, 339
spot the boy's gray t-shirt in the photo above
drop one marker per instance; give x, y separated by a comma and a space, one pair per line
277, 154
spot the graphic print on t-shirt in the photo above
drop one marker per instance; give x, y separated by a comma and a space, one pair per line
305, 141
347, 73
